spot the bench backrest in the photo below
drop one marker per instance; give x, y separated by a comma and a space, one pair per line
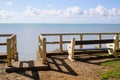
85, 42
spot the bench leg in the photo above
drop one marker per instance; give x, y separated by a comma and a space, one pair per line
112, 52
71, 56
115, 54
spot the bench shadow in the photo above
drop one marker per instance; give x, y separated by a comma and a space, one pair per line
59, 65
34, 76
96, 60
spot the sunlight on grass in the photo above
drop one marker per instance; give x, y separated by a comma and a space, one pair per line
113, 70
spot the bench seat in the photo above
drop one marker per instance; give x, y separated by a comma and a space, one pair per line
92, 49
110, 46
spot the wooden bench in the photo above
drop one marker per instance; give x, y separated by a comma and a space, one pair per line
111, 46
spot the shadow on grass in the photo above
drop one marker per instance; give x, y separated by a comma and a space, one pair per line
59, 65
97, 60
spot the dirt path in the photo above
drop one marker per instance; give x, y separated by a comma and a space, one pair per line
84, 68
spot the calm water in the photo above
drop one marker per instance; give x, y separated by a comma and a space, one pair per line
27, 34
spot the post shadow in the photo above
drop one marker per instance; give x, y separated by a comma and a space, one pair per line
88, 60
35, 74
69, 71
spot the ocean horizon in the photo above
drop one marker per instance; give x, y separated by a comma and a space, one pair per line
27, 34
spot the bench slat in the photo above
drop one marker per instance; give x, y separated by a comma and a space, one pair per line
85, 42
90, 49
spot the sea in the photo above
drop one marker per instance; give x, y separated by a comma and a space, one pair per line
27, 34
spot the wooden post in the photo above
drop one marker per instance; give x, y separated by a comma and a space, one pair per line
73, 45
117, 41
61, 48
40, 45
15, 45
44, 51
100, 38
39, 53
71, 49
12, 48
116, 45
81, 38
8, 52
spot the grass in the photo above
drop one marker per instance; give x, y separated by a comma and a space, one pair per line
113, 70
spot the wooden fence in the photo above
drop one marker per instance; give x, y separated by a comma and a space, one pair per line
11, 44
43, 40
42, 48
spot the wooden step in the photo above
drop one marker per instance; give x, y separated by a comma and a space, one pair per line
3, 60
27, 65
3, 55
2, 68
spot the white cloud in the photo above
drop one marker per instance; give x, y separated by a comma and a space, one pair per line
98, 11
75, 10
71, 14
52, 12
9, 3
114, 12
5, 14
31, 11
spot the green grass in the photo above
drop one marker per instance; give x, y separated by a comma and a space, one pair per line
113, 70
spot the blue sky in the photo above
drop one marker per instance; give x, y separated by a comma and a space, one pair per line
59, 11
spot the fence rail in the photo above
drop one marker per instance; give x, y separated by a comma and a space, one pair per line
43, 39
11, 44
5, 35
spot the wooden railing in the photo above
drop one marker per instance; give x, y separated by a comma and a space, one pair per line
43, 40
81, 35
42, 48
11, 44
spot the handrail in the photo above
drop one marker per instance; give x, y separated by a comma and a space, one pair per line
81, 36
56, 34
42, 48
3, 44
61, 40
5, 35
11, 44
11, 49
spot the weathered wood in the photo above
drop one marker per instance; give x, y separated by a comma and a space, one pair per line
3, 55
79, 35
71, 50
5, 35
81, 38
85, 42
40, 45
61, 48
2, 68
71, 46
44, 51
57, 42
3, 44
8, 52
57, 34
40, 39
117, 41
40, 50
100, 38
